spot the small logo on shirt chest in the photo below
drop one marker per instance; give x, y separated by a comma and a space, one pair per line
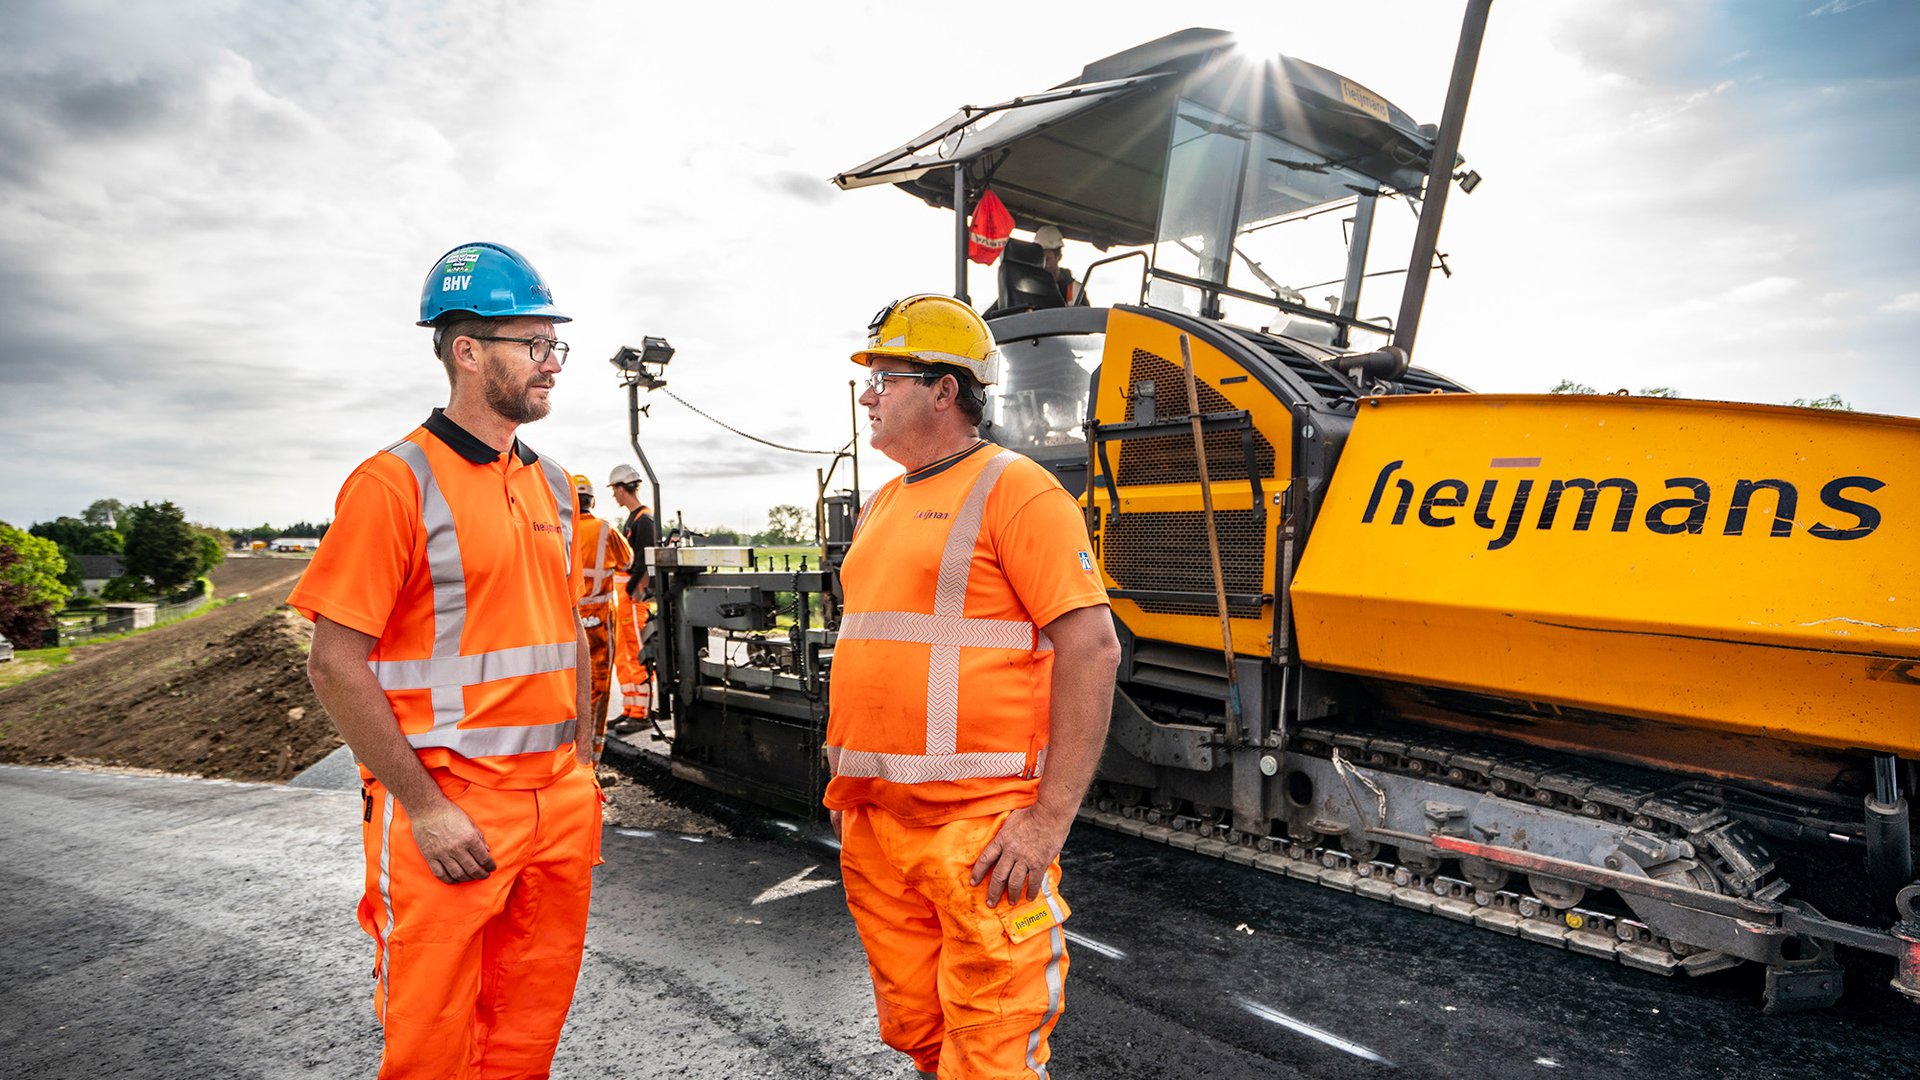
932, 515
545, 527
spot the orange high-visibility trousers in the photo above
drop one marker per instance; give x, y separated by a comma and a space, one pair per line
602, 642
630, 618
968, 991
474, 980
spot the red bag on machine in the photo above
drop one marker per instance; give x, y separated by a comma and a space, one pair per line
988, 231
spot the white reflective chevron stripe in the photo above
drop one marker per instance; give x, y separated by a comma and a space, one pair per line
926, 768
945, 631
461, 671
919, 628
950, 602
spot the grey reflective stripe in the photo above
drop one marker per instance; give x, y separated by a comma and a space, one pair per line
386, 899
473, 743
447, 674
463, 671
923, 629
926, 768
449, 578
443, 554
950, 602
562, 486
1056, 936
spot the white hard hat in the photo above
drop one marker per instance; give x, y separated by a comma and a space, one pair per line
1049, 237
624, 474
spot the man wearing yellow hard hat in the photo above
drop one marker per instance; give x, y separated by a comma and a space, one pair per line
972, 683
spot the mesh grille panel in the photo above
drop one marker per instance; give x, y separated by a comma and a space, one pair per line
1168, 459
1168, 552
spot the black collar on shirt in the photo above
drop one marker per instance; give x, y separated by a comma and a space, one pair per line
468, 445
944, 464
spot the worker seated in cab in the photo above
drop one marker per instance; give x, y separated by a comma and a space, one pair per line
1032, 278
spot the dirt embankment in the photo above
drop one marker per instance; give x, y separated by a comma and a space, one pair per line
226, 695
222, 695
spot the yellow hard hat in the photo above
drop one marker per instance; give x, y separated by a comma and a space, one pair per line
933, 329
582, 485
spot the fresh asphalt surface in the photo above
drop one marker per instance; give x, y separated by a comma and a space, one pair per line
159, 927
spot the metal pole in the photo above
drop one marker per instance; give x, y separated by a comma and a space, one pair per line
960, 233
853, 405
1234, 725
633, 433
1440, 174
1356, 266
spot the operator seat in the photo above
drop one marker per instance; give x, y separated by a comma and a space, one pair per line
1025, 284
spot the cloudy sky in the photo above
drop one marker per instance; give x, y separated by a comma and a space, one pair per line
215, 215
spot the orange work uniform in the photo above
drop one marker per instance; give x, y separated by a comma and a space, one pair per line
938, 728
456, 559
630, 609
602, 555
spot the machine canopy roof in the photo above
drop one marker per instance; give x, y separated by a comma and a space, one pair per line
1089, 156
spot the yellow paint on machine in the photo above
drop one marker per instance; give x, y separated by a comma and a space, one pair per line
1157, 542
1744, 567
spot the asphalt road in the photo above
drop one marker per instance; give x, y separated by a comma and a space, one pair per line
159, 927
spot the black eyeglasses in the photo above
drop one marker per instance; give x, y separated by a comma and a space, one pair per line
877, 382
538, 348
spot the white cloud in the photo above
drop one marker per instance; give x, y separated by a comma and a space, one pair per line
214, 219
1765, 289
1903, 303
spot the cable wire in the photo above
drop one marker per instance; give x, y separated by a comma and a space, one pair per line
756, 438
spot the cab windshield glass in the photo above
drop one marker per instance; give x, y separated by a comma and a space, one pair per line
1041, 399
1247, 209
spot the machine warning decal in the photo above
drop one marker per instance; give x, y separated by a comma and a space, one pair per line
1688, 504
1516, 463
1364, 99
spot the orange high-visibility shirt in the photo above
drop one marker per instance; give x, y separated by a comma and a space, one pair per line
942, 676
457, 559
602, 554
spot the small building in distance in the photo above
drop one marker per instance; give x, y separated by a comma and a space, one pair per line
97, 570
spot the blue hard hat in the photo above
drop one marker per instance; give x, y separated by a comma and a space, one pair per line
492, 281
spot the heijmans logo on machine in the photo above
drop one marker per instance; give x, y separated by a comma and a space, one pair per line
1845, 516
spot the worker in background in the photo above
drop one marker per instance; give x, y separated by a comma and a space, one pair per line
636, 681
447, 651
972, 683
1052, 246
602, 554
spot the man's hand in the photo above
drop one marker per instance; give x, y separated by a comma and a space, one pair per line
833, 816
454, 849
1015, 862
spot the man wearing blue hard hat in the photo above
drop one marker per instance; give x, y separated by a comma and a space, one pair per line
449, 653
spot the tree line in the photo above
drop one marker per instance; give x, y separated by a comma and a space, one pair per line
162, 556
787, 526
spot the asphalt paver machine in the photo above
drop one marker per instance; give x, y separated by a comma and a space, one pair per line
1630, 676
